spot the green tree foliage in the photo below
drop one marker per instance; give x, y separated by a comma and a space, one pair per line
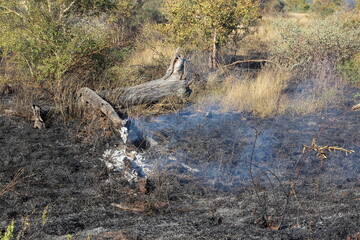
208, 24
61, 45
51, 37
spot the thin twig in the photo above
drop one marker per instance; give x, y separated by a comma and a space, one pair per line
246, 61
11, 11
257, 133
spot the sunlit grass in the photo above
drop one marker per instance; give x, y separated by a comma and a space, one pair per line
262, 96
148, 55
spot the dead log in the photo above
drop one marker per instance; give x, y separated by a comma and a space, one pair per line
86, 96
171, 84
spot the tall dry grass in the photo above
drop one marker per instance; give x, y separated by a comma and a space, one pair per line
270, 92
147, 55
263, 96
148, 60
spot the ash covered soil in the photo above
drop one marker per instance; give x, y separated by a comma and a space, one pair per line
54, 184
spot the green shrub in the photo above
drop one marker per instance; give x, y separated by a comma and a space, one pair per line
63, 45
297, 5
350, 69
326, 7
334, 38
48, 39
316, 54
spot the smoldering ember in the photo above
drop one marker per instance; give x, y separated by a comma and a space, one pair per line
249, 130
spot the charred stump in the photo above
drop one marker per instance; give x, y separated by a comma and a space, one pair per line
38, 121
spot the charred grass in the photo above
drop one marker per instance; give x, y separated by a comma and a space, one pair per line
52, 171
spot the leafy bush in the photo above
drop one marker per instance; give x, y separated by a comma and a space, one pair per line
313, 53
48, 39
326, 7
351, 69
335, 38
63, 45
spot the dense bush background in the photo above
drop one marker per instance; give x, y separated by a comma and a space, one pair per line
61, 45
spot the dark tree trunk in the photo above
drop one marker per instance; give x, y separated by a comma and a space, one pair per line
213, 57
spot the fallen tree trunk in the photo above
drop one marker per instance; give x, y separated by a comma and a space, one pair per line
86, 96
171, 84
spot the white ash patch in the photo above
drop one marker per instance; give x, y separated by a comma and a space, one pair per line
124, 134
134, 165
131, 163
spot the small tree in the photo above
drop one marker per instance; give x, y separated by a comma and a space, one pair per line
208, 24
47, 38
57, 44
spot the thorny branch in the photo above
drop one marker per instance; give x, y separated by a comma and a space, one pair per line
321, 154
321, 151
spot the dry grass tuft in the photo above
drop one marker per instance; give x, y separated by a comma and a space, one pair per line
147, 62
302, 19
262, 96
151, 52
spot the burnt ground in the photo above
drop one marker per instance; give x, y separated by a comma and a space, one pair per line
54, 185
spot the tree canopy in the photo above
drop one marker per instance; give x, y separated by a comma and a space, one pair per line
51, 37
208, 24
